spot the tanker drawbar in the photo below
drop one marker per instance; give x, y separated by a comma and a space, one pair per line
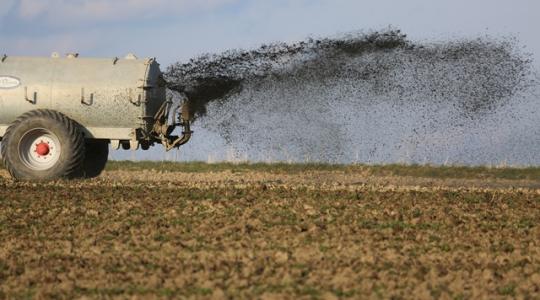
59, 115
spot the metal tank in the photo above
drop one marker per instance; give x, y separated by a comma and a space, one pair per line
118, 100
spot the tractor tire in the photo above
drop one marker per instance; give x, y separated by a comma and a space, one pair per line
43, 145
97, 154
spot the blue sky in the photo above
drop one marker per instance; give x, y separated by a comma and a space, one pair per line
173, 30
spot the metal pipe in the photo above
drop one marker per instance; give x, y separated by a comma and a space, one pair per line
186, 136
185, 118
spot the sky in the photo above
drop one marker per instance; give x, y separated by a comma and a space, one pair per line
173, 30
176, 30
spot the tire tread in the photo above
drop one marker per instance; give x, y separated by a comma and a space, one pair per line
75, 137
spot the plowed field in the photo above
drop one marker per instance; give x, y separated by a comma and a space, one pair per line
227, 231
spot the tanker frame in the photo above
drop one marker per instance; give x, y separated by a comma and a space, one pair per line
58, 115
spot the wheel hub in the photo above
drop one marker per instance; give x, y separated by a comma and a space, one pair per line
39, 149
42, 148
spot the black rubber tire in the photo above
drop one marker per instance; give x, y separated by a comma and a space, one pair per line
66, 130
97, 154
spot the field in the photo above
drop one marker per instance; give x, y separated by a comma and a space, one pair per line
194, 230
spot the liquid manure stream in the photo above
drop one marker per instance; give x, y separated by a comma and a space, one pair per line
361, 97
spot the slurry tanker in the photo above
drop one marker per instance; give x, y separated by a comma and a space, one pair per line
58, 115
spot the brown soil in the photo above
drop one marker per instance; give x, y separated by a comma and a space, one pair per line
319, 234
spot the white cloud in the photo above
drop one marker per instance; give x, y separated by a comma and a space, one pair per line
66, 11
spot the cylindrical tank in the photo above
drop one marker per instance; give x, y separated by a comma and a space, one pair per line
111, 98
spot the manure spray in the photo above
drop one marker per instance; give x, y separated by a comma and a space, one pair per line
374, 97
